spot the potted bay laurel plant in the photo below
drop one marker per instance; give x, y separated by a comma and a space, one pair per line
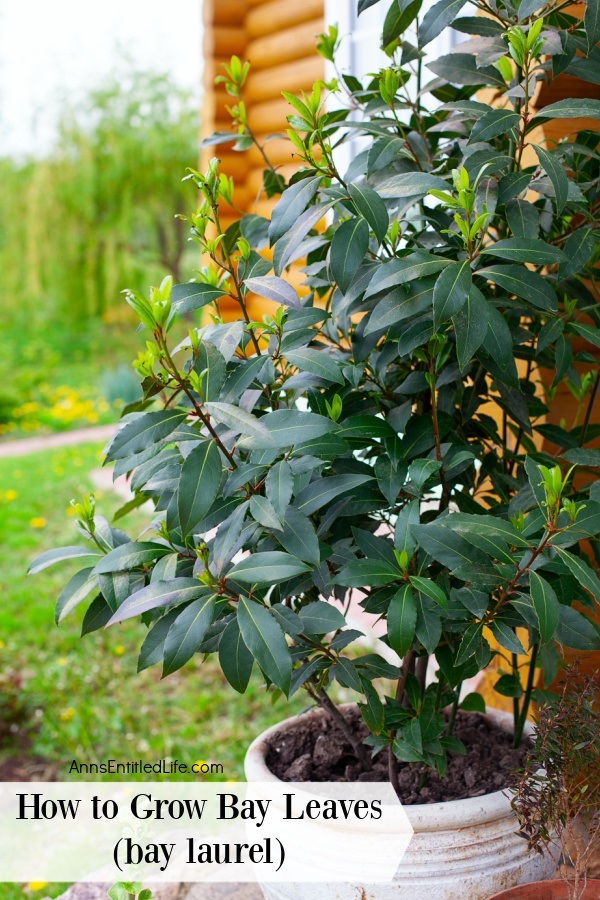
378, 441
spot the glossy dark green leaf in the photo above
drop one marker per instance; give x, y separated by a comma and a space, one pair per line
142, 431
371, 207
288, 244
398, 305
585, 575
274, 288
525, 249
411, 184
451, 291
320, 617
557, 175
461, 68
157, 594
446, 546
266, 642
523, 218
131, 555
201, 477
153, 647
299, 536
187, 633
58, 555
278, 485
438, 17
367, 573
263, 512
348, 249
402, 620
578, 252
497, 345
193, 295
493, 123
576, 631
317, 362
322, 491
399, 16
430, 589
269, 567
546, 606
372, 711
235, 659
524, 283
570, 109
291, 205
470, 326
96, 616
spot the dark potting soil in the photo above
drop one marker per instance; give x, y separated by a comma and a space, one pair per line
316, 750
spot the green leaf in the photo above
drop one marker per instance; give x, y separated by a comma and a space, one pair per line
556, 174
522, 249
76, 589
240, 421
497, 349
262, 510
371, 207
589, 332
367, 573
244, 374
506, 637
287, 427
411, 184
430, 589
235, 659
473, 703
451, 291
322, 491
201, 476
546, 606
591, 21
317, 362
187, 633
447, 547
403, 537
461, 68
578, 252
153, 648
265, 640
583, 457
211, 362
520, 281
58, 555
274, 288
523, 218
398, 305
471, 642
348, 247
299, 536
417, 265
493, 123
402, 620
144, 430
131, 555
470, 326
585, 575
438, 17
288, 244
576, 631
320, 618
372, 711
278, 485
570, 109
269, 567
291, 205
399, 16
193, 295
157, 594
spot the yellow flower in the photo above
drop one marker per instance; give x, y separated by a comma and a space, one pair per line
71, 511
10, 495
2, 644
62, 661
67, 714
36, 885
37, 522
119, 650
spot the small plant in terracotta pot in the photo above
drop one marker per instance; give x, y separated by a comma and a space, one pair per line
557, 799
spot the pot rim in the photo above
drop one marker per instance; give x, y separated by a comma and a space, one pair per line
442, 816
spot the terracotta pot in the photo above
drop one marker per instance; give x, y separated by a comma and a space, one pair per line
460, 850
548, 890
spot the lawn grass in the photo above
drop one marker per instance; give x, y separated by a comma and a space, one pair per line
84, 697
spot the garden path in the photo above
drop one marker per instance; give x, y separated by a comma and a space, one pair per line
61, 439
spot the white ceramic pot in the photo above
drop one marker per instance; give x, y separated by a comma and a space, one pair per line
461, 850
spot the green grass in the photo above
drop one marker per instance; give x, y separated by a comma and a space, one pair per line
85, 699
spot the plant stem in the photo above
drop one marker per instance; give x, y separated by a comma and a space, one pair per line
527, 698
590, 406
361, 752
453, 711
407, 665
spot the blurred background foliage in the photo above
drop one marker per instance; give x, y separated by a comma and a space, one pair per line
78, 224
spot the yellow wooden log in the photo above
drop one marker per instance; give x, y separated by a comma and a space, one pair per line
224, 40
278, 151
226, 12
293, 43
277, 15
267, 84
270, 116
